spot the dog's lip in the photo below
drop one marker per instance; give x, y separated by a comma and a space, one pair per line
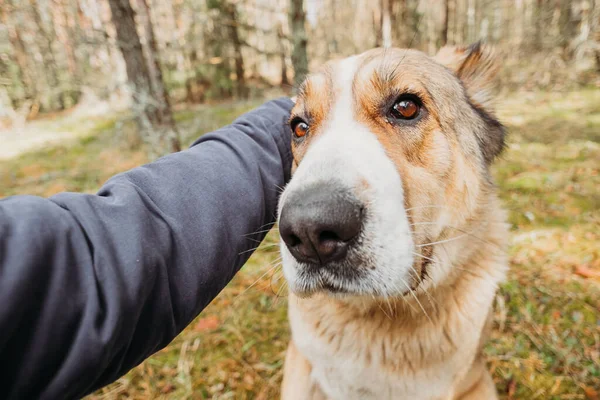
333, 288
314, 282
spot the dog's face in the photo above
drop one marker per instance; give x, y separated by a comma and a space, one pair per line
391, 154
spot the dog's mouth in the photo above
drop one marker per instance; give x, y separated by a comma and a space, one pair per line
354, 276
341, 278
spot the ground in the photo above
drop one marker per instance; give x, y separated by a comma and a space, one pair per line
546, 340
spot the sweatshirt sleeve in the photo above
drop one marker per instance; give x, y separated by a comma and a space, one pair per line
91, 285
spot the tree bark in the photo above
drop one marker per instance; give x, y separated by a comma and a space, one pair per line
595, 29
160, 94
68, 38
386, 23
153, 112
231, 14
51, 67
444, 37
21, 57
299, 40
282, 56
566, 26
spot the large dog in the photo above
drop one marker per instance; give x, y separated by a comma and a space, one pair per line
393, 239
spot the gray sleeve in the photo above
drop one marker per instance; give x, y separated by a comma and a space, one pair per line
91, 285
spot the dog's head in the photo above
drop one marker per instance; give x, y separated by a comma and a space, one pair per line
391, 155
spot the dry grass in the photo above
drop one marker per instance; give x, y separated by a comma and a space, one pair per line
546, 341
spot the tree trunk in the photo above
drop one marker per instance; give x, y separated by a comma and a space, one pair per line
160, 95
566, 26
18, 46
377, 23
299, 39
153, 113
231, 14
444, 37
284, 74
50, 65
403, 26
595, 28
386, 24
68, 38
471, 36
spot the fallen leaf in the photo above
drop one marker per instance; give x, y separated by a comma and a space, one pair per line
512, 388
207, 324
586, 272
168, 388
590, 393
556, 314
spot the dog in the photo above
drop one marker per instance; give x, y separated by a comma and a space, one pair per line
393, 240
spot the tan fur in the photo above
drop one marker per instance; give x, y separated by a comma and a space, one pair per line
433, 336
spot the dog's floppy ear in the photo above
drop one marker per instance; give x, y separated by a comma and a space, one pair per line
476, 66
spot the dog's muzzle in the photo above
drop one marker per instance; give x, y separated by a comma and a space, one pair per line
320, 222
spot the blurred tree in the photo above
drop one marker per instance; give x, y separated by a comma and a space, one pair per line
445, 20
299, 40
386, 23
164, 113
282, 56
46, 42
152, 111
20, 54
230, 13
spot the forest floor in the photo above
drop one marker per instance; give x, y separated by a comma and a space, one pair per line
546, 339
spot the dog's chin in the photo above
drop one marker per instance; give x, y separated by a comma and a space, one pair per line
306, 285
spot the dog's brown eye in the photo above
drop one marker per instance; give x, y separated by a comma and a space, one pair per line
300, 128
405, 109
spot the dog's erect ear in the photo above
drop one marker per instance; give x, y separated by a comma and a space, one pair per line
476, 66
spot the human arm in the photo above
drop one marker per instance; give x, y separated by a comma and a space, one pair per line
91, 285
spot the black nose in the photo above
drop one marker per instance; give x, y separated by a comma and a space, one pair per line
319, 222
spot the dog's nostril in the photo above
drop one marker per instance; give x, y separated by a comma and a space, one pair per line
328, 236
293, 240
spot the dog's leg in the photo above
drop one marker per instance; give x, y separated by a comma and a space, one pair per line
480, 384
297, 384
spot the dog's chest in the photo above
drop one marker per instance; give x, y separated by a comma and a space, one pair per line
351, 362
353, 378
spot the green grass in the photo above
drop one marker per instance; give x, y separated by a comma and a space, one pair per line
546, 341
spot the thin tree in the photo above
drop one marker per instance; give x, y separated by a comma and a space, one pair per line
386, 23
160, 94
282, 56
299, 40
153, 114
47, 48
230, 14
19, 49
445, 20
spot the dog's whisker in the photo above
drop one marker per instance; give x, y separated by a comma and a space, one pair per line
383, 311
422, 223
429, 297
441, 241
278, 264
417, 300
425, 257
260, 247
261, 231
427, 206
470, 272
477, 237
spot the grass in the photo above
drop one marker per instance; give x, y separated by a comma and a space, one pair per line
546, 340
